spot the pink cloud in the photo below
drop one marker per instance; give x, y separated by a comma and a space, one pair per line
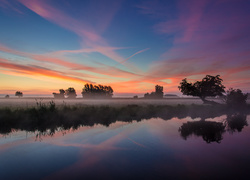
88, 34
187, 23
56, 16
204, 23
9, 5
91, 39
102, 14
52, 58
210, 37
36, 70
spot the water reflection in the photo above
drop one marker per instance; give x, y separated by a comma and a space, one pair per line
149, 149
47, 120
236, 122
212, 131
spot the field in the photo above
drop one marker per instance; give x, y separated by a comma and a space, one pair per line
31, 102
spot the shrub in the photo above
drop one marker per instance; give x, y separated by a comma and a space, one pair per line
235, 98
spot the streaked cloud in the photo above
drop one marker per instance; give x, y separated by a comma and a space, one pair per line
88, 34
53, 58
210, 37
134, 55
187, 39
35, 70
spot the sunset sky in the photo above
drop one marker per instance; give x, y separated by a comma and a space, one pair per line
131, 45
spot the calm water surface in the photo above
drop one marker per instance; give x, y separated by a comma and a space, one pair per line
149, 149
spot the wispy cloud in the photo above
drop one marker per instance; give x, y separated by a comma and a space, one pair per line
210, 37
36, 70
141, 51
187, 23
9, 5
53, 57
89, 35
91, 39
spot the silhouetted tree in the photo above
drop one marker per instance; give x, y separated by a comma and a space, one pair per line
97, 91
60, 95
71, 93
19, 94
208, 86
159, 91
147, 95
61, 91
236, 99
158, 94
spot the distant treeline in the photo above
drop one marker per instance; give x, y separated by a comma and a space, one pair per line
102, 91
97, 91
89, 91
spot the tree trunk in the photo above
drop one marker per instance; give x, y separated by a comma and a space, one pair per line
207, 101
203, 99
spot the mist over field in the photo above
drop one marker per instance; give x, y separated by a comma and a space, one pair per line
29, 102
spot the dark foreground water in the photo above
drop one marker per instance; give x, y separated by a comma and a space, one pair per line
217, 148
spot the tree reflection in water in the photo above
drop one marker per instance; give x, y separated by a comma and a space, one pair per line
212, 131
236, 122
209, 130
45, 120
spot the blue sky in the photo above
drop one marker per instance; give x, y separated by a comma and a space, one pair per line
130, 45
